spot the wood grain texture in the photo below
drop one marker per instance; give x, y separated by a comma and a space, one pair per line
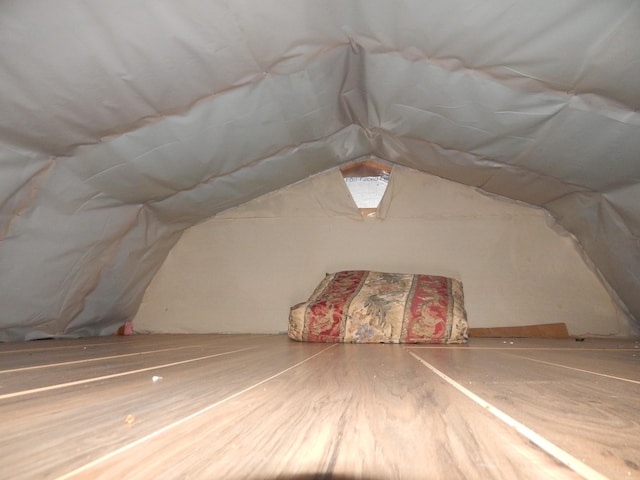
593, 417
251, 406
355, 410
47, 433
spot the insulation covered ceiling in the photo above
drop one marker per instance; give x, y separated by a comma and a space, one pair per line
125, 122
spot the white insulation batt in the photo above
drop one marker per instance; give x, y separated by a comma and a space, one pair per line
124, 123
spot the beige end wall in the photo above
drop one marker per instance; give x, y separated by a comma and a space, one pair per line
242, 270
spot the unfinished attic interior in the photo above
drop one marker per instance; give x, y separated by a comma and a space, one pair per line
337, 239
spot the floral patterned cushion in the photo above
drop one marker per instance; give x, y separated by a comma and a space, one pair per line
359, 306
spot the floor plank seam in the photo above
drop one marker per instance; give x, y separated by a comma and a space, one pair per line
64, 347
613, 377
114, 375
87, 360
175, 424
542, 349
556, 452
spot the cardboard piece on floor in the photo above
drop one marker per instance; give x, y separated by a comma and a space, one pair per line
548, 330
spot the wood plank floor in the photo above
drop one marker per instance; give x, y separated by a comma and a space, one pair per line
262, 407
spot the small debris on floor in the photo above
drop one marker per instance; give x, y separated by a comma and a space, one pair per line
156, 378
129, 419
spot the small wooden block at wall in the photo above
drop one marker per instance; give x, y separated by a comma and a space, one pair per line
547, 330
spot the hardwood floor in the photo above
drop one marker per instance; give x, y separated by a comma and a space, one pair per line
252, 406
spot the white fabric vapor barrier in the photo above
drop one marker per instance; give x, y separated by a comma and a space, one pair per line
125, 123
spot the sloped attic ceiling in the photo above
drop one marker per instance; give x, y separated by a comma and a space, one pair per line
125, 122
